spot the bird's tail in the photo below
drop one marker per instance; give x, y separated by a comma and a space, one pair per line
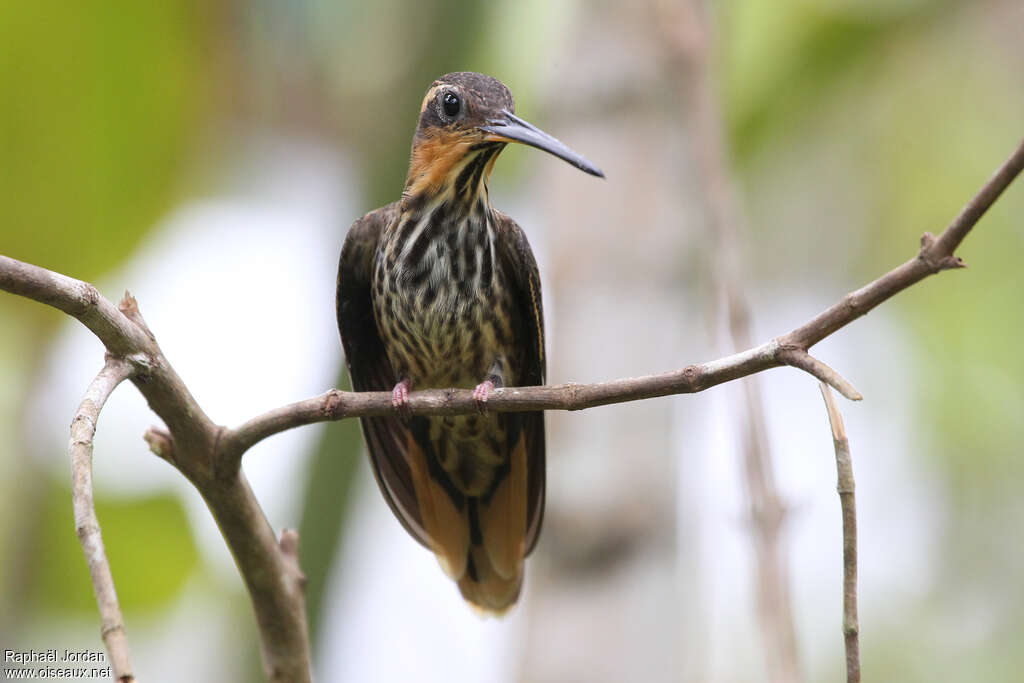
497, 526
480, 543
490, 593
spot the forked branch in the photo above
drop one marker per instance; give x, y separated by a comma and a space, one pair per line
210, 455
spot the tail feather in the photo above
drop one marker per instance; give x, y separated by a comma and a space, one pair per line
503, 518
446, 524
494, 570
487, 591
480, 541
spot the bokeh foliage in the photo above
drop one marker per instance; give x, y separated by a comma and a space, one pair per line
102, 101
102, 105
880, 118
885, 118
148, 543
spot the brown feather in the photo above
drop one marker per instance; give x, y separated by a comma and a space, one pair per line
517, 259
446, 526
490, 593
369, 367
503, 517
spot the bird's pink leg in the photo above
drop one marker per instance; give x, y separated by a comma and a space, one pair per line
400, 398
480, 394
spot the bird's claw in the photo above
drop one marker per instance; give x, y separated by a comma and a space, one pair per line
480, 394
400, 400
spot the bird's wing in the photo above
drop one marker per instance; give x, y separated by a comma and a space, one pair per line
518, 264
370, 369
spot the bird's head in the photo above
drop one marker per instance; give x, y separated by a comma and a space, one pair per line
466, 119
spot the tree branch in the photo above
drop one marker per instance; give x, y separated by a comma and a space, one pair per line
210, 455
83, 428
338, 405
845, 486
935, 255
191, 443
798, 358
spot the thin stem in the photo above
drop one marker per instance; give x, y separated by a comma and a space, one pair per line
83, 429
848, 503
934, 256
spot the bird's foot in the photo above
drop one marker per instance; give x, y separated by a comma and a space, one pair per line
400, 399
480, 395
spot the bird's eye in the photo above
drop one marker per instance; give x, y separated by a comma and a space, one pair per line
451, 104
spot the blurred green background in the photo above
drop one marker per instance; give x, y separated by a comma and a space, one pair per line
851, 128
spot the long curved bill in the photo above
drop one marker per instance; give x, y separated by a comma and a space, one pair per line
511, 128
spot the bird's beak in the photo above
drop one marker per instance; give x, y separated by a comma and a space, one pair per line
511, 128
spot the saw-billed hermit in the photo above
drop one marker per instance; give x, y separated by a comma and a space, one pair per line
441, 290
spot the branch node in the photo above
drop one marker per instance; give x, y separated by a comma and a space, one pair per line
797, 357
160, 442
82, 417
142, 363
129, 306
90, 295
289, 545
332, 404
931, 254
937, 264
85, 529
952, 263
574, 392
107, 629
289, 542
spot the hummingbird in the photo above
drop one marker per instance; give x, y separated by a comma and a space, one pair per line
441, 290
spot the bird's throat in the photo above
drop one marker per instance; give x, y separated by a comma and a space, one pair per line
449, 168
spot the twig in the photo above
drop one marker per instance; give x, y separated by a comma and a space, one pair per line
337, 405
848, 503
935, 255
210, 455
83, 428
191, 443
798, 358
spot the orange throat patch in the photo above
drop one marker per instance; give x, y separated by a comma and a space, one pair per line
433, 161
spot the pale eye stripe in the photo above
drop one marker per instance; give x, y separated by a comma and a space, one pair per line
429, 97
